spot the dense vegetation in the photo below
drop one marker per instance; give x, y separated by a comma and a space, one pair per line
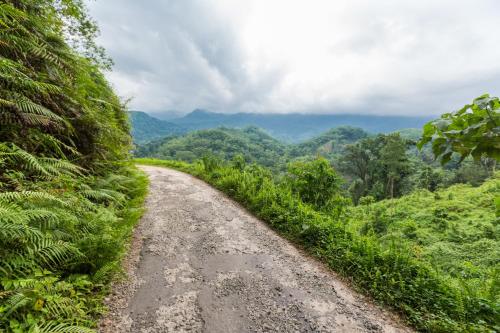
291, 128
454, 229
252, 143
330, 144
380, 166
68, 201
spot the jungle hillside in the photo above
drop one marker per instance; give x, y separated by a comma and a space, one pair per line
343, 158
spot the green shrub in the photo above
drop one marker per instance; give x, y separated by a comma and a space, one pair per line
316, 183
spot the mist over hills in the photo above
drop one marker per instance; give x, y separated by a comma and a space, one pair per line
292, 127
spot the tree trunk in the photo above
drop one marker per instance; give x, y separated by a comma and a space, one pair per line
390, 186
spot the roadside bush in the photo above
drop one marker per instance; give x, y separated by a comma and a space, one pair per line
316, 182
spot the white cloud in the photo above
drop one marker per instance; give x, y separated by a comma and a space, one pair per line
386, 57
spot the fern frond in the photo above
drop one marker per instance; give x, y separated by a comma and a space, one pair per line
43, 218
105, 271
24, 159
15, 266
15, 302
12, 231
59, 307
98, 195
12, 213
58, 146
41, 51
53, 254
4, 102
12, 73
10, 13
55, 327
58, 166
27, 106
30, 195
114, 181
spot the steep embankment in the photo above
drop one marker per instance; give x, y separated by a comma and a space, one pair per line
68, 200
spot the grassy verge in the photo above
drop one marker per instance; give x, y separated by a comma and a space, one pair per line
62, 243
392, 272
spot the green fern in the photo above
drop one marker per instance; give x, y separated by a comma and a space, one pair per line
12, 231
31, 195
55, 327
62, 132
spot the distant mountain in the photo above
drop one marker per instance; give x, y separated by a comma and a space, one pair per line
414, 134
296, 127
146, 128
292, 127
329, 143
251, 142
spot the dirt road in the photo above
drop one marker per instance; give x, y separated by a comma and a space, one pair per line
201, 263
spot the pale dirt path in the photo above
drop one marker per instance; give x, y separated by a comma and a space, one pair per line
201, 263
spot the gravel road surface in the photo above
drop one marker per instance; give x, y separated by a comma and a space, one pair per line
199, 262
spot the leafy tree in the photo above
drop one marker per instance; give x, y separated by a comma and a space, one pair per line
474, 130
395, 161
430, 178
316, 182
474, 172
356, 162
378, 165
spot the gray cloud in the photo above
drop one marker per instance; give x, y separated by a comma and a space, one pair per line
359, 56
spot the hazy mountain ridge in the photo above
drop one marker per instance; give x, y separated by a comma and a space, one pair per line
298, 127
146, 128
292, 127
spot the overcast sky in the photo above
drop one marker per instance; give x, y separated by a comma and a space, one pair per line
313, 56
